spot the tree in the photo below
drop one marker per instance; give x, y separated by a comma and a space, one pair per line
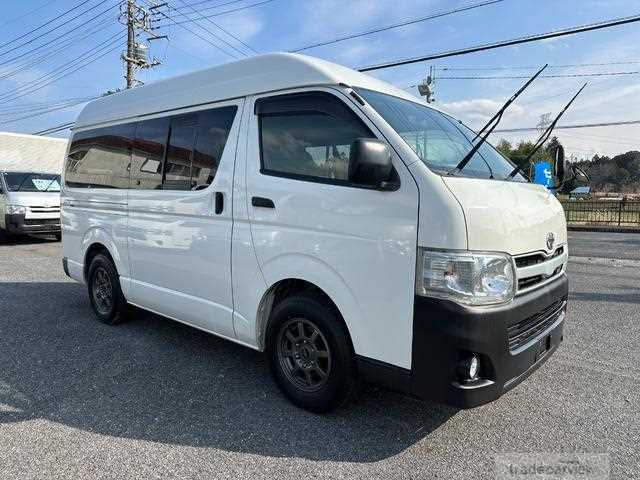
504, 147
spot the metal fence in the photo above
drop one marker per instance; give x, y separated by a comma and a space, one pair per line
602, 212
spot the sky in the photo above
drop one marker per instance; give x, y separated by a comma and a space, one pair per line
283, 25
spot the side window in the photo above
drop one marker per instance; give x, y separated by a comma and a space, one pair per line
213, 131
308, 135
193, 144
148, 154
177, 170
100, 158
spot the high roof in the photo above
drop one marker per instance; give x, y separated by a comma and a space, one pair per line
262, 73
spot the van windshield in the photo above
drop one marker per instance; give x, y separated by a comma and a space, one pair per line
32, 182
438, 140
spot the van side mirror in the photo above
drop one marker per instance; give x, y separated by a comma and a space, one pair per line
370, 164
562, 168
569, 177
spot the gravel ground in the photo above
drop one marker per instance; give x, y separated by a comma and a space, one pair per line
156, 399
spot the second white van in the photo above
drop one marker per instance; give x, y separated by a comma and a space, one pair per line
303, 209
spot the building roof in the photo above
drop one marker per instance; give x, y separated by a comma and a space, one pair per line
32, 153
258, 74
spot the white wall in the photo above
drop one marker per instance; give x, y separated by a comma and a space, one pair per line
31, 152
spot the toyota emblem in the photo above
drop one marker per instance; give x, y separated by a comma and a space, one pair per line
550, 240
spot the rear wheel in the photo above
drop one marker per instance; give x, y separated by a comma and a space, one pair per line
107, 300
310, 353
58, 236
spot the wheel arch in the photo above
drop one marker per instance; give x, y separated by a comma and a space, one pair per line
97, 240
286, 286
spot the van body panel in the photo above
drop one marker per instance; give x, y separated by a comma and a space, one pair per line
512, 217
442, 221
96, 216
180, 248
248, 283
358, 245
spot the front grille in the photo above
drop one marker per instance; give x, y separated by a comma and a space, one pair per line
42, 221
39, 209
528, 329
532, 269
536, 258
531, 281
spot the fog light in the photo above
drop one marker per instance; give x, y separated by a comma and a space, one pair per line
469, 368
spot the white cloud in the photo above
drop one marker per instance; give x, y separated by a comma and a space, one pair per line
476, 112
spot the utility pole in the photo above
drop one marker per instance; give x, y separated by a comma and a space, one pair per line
131, 39
136, 18
428, 85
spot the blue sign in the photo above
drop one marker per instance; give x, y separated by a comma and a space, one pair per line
542, 174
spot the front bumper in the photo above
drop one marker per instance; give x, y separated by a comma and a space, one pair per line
510, 340
18, 224
445, 332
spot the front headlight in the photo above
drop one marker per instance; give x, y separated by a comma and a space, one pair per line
472, 278
15, 210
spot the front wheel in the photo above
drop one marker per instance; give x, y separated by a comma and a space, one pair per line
310, 353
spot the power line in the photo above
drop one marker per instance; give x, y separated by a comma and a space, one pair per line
567, 75
50, 54
64, 72
36, 107
213, 6
207, 30
26, 14
57, 128
506, 43
222, 29
48, 43
180, 24
44, 112
397, 25
570, 65
75, 7
565, 127
50, 30
60, 67
218, 14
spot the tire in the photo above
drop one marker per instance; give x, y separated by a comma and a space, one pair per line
105, 294
58, 237
299, 357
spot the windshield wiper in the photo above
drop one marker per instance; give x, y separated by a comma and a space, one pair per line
491, 125
544, 137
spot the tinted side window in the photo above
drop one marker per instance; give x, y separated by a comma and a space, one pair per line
308, 135
213, 130
100, 158
182, 138
148, 154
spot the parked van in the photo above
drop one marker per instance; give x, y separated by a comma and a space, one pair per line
303, 209
30, 203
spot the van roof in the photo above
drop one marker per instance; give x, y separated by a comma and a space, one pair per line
258, 74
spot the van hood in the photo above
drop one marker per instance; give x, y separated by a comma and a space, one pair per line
511, 217
31, 199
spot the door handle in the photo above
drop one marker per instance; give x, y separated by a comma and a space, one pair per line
262, 202
219, 207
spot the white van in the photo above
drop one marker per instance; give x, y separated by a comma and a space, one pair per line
303, 209
30, 203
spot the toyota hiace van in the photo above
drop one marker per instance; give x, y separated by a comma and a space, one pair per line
315, 213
